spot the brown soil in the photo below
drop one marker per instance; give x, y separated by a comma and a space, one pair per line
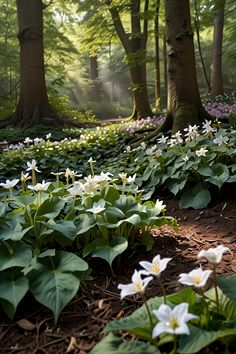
80, 325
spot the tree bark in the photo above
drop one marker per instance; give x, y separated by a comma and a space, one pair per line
184, 103
95, 91
157, 59
135, 48
33, 106
216, 67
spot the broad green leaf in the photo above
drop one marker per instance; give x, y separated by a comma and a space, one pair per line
227, 308
228, 286
53, 284
64, 231
138, 322
115, 212
133, 219
12, 230
185, 295
200, 338
178, 185
115, 345
3, 208
23, 200
195, 198
110, 194
50, 208
12, 290
84, 222
21, 255
108, 251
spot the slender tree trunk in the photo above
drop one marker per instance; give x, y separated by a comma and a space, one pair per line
157, 59
33, 106
135, 48
95, 91
184, 104
165, 72
216, 67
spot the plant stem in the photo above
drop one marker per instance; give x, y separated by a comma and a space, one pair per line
148, 310
174, 350
201, 291
162, 289
216, 290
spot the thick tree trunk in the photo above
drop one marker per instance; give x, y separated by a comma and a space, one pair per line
95, 91
165, 72
184, 103
141, 108
216, 67
157, 59
33, 106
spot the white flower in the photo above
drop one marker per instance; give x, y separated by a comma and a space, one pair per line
219, 140
158, 152
159, 206
201, 152
207, 128
197, 277
40, 187
178, 137
97, 207
143, 145
70, 174
104, 176
9, 183
155, 267
172, 321
192, 132
77, 189
27, 140
162, 140
38, 141
131, 179
172, 142
32, 166
128, 149
138, 285
91, 161
214, 255
185, 158
48, 136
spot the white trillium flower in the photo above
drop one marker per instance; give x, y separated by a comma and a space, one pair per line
138, 285
178, 137
131, 179
158, 153
172, 321
192, 132
219, 140
201, 152
185, 158
91, 161
162, 140
32, 166
9, 184
197, 277
159, 206
48, 136
97, 207
40, 187
207, 128
214, 255
155, 267
77, 189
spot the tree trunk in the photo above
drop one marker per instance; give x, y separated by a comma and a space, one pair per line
216, 67
184, 103
165, 72
95, 91
33, 106
157, 59
135, 44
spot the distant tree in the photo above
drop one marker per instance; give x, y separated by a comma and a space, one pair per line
33, 106
216, 82
184, 103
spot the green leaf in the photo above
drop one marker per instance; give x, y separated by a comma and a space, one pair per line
185, 295
51, 208
64, 231
84, 222
52, 282
200, 338
23, 200
12, 290
196, 198
110, 194
227, 308
177, 185
138, 322
21, 255
12, 230
108, 251
218, 174
228, 286
115, 345
133, 219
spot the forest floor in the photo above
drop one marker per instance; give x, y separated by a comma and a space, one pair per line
80, 325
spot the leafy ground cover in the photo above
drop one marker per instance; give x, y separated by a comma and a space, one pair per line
95, 214
80, 325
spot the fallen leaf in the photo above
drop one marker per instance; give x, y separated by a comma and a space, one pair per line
26, 325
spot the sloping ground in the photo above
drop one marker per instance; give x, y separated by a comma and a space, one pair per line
80, 324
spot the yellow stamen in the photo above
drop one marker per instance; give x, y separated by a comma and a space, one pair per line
138, 286
155, 267
197, 280
173, 323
